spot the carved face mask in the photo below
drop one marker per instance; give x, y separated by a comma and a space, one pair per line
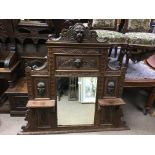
41, 88
79, 33
111, 87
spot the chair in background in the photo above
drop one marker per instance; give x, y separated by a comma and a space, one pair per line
141, 45
151, 60
140, 75
9, 65
107, 31
138, 46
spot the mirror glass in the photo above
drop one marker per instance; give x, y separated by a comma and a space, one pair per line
76, 97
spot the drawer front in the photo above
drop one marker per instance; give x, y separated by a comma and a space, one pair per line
84, 62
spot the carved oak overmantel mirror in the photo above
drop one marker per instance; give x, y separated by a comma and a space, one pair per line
85, 90
75, 64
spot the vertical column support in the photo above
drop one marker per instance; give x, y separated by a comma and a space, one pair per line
149, 102
100, 83
51, 68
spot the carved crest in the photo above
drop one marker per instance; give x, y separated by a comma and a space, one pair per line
77, 33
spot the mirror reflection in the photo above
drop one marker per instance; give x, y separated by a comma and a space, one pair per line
76, 97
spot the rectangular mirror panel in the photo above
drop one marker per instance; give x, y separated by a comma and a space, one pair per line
76, 97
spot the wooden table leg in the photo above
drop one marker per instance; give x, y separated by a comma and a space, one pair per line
149, 101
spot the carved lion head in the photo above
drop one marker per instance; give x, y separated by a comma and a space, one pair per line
79, 32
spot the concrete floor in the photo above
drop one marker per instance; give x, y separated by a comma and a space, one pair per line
139, 123
74, 112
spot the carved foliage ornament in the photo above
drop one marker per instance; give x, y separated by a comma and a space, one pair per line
78, 62
78, 33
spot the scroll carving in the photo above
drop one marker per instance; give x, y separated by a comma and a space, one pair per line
76, 62
77, 33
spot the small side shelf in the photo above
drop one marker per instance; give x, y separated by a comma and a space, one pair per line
40, 115
111, 102
40, 104
111, 112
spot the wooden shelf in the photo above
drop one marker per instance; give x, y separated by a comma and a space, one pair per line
40, 103
19, 88
111, 102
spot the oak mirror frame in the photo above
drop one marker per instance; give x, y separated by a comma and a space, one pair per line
75, 61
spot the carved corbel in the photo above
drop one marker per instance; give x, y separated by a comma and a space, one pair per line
31, 121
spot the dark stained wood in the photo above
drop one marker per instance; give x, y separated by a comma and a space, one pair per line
76, 50
9, 66
3, 87
39, 118
21, 90
75, 129
82, 57
39, 115
150, 100
140, 83
8, 69
18, 97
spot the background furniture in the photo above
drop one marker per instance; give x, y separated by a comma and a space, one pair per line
107, 31
141, 76
151, 61
9, 66
18, 98
3, 86
28, 38
138, 75
140, 47
140, 39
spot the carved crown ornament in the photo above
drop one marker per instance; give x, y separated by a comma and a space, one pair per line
77, 33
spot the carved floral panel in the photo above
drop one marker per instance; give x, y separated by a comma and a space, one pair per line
77, 62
